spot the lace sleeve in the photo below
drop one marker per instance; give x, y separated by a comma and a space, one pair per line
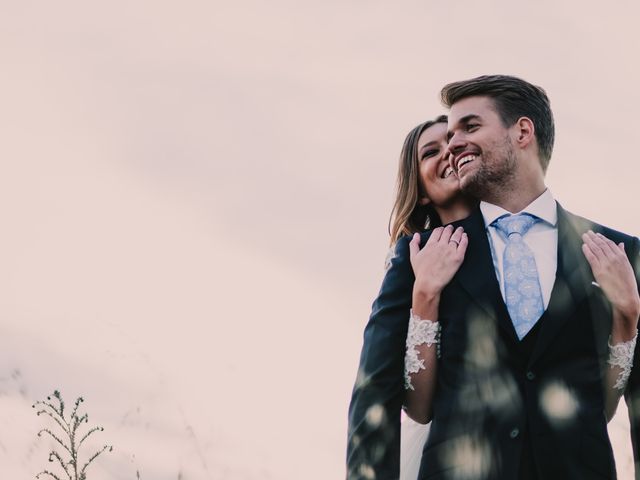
420, 332
390, 254
621, 355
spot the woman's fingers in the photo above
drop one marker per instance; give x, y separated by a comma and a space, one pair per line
588, 239
441, 237
435, 235
414, 245
590, 256
437, 262
607, 253
616, 251
598, 247
456, 237
446, 234
462, 247
610, 266
608, 247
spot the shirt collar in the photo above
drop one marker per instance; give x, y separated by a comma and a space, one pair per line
543, 207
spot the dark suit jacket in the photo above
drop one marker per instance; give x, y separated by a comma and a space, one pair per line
490, 403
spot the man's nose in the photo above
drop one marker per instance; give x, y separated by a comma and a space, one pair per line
456, 145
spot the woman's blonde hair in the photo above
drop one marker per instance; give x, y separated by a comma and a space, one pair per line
407, 215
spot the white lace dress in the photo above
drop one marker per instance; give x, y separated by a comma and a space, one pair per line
413, 436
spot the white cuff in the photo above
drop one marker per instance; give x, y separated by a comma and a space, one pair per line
621, 355
420, 332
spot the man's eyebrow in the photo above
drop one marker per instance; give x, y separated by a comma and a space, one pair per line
468, 118
463, 121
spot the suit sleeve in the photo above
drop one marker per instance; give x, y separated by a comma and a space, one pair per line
373, 448
632, 393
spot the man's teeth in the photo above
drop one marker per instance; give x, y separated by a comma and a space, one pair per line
466, 159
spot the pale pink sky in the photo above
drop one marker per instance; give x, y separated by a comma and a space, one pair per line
194, 200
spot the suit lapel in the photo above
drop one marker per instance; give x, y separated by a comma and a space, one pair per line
477, 275
572, 283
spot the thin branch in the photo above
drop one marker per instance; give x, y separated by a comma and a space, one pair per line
56, 393
94, 429
61, 461
47, 472
95, 455
51, 406
62, 425
75, 408
77, 421
46, 430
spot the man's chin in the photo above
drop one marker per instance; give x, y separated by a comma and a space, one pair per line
471, 184
466, 182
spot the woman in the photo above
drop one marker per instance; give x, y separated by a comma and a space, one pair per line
428, 195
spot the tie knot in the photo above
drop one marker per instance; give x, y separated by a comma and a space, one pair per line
510, 224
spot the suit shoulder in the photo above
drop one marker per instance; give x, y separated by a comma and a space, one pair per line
582, 225
402, 244
631, 243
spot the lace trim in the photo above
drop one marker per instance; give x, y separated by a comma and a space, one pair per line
420, 332
621, 355
391, 253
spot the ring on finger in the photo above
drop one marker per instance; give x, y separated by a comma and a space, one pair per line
454, 241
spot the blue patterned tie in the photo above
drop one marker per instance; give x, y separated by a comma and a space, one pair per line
521, 283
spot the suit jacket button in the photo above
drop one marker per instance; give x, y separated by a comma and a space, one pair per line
531, 375
514, 433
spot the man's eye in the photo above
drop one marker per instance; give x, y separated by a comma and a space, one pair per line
471, 127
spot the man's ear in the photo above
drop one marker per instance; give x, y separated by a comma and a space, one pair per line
525, 131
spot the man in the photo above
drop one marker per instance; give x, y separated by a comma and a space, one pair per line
519, 386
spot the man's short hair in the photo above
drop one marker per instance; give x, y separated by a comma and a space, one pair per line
513, 98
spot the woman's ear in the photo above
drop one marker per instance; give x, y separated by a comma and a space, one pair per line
424, 201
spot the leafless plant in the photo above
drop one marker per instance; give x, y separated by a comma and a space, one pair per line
70, 440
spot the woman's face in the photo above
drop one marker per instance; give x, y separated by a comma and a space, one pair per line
437, 178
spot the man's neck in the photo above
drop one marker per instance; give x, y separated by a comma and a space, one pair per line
519, 190
516, 198
517, 203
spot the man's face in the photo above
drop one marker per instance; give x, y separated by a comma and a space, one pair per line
482, 153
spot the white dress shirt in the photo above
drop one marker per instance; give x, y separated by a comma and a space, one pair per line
542, 239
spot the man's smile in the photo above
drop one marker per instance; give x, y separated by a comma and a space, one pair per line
464, 159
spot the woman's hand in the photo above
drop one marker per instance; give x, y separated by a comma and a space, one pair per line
435, 265
613, 272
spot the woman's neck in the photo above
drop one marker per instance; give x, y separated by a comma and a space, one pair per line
456, 211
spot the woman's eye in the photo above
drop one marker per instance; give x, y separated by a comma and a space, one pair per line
430, 153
